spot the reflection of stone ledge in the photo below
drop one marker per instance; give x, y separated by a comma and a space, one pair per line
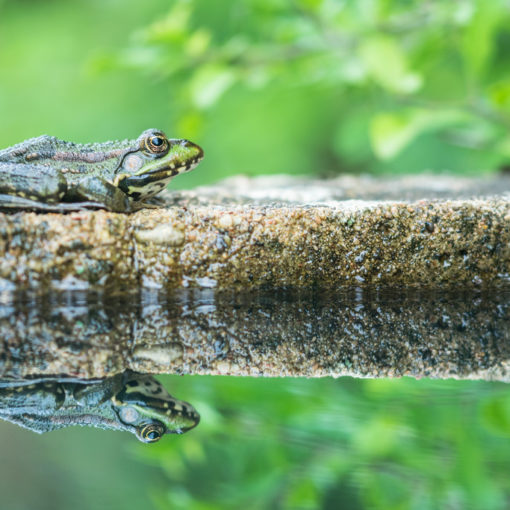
274, 232
360, 332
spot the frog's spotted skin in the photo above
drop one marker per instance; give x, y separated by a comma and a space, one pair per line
131, 402
46, 173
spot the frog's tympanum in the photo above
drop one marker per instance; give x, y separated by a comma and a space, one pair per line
49, 174
133, 402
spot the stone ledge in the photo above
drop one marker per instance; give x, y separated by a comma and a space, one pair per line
274, 232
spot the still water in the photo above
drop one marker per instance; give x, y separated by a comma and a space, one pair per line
285, 442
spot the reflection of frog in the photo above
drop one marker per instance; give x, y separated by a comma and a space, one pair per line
133, 402
49, 174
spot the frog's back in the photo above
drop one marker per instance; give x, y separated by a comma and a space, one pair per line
51, 147
17, 153
71, 159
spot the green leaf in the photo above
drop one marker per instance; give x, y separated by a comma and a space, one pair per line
496, 415
479, 37
304, 494
198, 42
387, 64
378, 437
390, 133
171, 28
209, 83
311, 5
499, 94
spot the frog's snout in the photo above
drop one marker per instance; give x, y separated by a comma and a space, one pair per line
195, 148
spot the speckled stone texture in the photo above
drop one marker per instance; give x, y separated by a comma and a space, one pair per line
273, 232
382, 278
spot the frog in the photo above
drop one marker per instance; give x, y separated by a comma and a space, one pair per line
129, 401
52, 175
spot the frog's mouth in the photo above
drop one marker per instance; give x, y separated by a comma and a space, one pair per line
155, 175
139, 187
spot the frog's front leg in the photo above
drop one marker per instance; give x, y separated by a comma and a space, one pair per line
96, 189
98, 392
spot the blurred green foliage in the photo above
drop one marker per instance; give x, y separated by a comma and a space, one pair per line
350, 444
282, 444
302, 86
398, 85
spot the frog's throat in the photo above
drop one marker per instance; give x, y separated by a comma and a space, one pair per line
140, 187
142, 179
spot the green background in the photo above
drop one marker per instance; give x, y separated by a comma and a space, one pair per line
282, 444
272, 86
267, 86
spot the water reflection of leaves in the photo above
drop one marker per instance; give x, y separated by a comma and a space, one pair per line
276, 442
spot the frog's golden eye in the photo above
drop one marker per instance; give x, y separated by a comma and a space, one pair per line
150, 433
156, 144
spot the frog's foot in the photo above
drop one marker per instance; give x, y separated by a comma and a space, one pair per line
14, 202
137, 206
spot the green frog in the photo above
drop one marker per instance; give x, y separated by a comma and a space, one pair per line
48, 174
132, 402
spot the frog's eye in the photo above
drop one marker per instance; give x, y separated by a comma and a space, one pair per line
150, 433
156, 144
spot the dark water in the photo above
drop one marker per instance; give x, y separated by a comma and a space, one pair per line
345, 442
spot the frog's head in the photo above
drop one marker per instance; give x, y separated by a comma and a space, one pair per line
146, 408
153, 162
